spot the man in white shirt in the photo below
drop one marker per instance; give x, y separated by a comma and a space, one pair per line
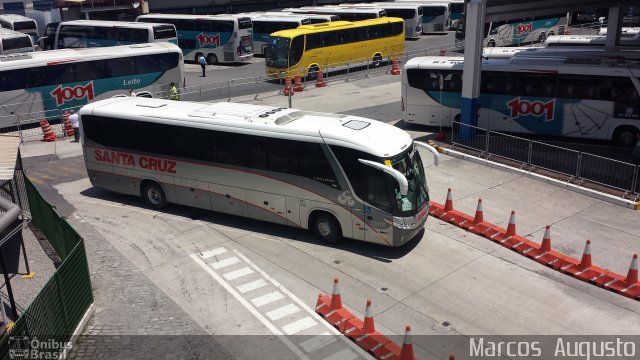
75, 124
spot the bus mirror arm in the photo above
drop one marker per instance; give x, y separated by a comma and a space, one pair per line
401, 179
436, 154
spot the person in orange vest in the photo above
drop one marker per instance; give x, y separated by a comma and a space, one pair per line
75, 124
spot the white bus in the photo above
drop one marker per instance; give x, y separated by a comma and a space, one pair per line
438, 15
266, 24
410, 13
625, 32
12, 42
220, 38
575, 94
336, 175
40, 85
101, 33
21, 24
517, 32
344, 13
589, 41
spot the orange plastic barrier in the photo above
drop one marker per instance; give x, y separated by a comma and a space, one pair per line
297, 87
47, 132
395, 69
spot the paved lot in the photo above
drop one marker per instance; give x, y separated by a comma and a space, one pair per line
195, 272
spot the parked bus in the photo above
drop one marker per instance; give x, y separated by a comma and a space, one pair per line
101, 33
220, 38
266, 24
335, 175
310, 48
344, 13
589, 41
574, 94
21, 24
39, 85
12, 42
436, 15
410, 13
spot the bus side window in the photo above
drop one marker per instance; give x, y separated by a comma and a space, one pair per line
297, 49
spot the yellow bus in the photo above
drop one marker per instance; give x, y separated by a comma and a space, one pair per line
335, 45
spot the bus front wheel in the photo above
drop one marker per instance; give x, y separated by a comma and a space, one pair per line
492, 43
326, 228
153, 195
625, 136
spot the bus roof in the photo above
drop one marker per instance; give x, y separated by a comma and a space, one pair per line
107, 23
334, 25
194, 17
15, 17
372, 136
8, 33
283, 17
54, 57
333, 8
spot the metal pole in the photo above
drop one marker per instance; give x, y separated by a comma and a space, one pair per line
634, 183
578, 165
7, 282
290, 93
530, 151
257, 87
229, 90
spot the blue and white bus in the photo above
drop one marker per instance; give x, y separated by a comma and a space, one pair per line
344, 13
266, 24
517, 32
574, 94
40, 85
99, 33
220, 38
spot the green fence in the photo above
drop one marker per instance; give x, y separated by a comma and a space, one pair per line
57, 310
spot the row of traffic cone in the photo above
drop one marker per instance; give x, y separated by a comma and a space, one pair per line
543, 253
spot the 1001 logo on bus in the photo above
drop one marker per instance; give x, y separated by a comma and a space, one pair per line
524, 28
66, 93
205, 39
520, 107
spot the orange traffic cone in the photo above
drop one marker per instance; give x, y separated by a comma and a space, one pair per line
546, 240
336, 301
320, 79
632, 275
442, 52
452, 357
47, 132
479, 216
395, 70
511, 228
287, 86
368, 326
448, 205
297, 87
585, 263
68, 129
406, 353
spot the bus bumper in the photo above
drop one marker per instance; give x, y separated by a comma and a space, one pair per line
408, 228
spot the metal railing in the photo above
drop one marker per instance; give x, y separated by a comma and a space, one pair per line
579, 167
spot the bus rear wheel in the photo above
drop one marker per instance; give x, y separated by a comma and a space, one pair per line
312, 74
212, 59
153, 195
542, 37
625, 136
326, 228
376, 61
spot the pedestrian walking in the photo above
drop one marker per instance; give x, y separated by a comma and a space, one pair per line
75, 124
131, 93
173, 92
203, 63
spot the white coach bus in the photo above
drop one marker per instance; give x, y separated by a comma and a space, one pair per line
573, 93
102, 33
336, 175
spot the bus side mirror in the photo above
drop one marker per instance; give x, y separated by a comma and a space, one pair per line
436, 154
401, 179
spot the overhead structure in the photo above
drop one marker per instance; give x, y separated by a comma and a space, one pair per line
479, 12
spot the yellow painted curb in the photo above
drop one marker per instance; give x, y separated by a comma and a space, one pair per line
29, 275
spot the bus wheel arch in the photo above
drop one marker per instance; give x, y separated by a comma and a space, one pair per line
491, 43
625, 135
376, 60
153, 194
212, 59
312, 72
542, 37
325, 226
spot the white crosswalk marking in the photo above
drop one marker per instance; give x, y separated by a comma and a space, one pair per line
250, 286
297, 326
281, 312
237, 273
267, 299
345, 354
214, 252
224, 263
317, 342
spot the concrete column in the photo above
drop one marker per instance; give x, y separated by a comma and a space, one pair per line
474, 38
614, 25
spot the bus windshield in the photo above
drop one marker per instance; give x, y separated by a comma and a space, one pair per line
410, 165
277, 52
